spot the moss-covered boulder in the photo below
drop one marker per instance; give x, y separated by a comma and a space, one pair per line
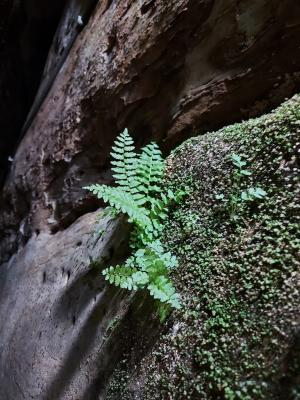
236, 236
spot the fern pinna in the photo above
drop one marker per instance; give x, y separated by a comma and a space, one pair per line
139, 195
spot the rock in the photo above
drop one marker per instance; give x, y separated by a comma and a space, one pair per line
165, 70
75, 16
65, 328
67, 335
58, 313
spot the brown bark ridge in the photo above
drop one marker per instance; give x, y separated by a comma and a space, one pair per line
165, 70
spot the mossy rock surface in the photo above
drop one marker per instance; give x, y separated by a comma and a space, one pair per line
238, 333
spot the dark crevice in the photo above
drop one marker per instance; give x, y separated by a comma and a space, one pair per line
74, 18
26, 32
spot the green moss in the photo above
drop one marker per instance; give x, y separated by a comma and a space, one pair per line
239, 281
238, 335
118, 386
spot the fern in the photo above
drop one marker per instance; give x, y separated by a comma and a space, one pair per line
163, 290
150, 171
123, 202
126, 277
125, 163
147, 268
139, 195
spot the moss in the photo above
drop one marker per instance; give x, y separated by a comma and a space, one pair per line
238, 334
118, 385
239, 280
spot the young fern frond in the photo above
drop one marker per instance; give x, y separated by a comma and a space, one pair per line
148, 267
159, 207
163, 290
126, 277
125, 163
122, 202
150, 171
139, 195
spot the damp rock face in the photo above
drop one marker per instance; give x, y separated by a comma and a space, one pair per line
64, 328
238, 334
67, 335
52, 305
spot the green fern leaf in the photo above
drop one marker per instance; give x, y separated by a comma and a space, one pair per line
123, 202
125, 163
139, 196
150, 170
121, 276
163, 290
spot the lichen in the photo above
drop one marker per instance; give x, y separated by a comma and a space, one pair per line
238, 334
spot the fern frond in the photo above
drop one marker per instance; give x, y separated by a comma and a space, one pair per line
122, 202
153, 259
163, 290
169, 260
120, 275
146, 268
159, 206
126, 276
150, 170
125, 163
139, 195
